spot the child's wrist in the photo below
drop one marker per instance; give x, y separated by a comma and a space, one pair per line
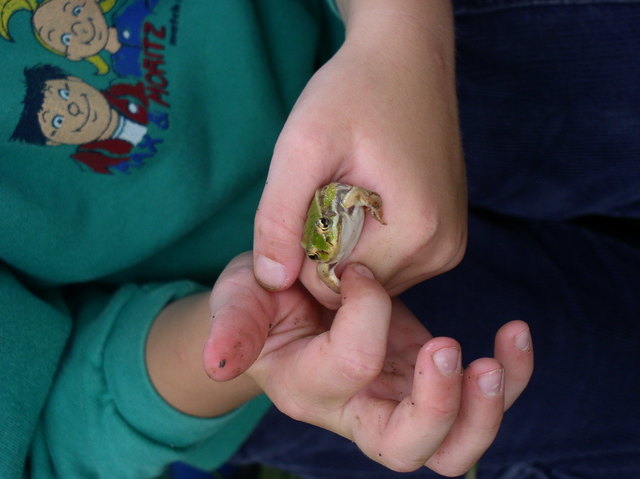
175, 367
403, 32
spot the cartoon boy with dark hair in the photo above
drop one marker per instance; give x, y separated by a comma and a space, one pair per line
60, 109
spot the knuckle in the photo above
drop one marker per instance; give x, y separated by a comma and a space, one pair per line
398, 460
304, 137
294, 410
361, 370
442, 411
487, 426
401, 466
455, 247
240, 275
423, 236
275, 227
441, 464
236, 280
375, 300
446, 244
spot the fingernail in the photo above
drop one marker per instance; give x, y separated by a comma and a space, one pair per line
523, 340
270, 273
447, 360
491, 383
362, 270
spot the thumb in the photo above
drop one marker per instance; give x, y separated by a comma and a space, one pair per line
279, 221
241, 313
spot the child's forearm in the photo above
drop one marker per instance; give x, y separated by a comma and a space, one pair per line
174, 362
400, 18
413, 37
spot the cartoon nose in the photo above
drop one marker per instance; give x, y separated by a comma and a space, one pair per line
73, 109
79, 29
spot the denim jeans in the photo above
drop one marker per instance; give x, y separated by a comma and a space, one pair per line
550, 112
550, 102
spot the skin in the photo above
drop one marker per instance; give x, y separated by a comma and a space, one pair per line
74, 113
333, 210
75, 28
381, 114
379, 377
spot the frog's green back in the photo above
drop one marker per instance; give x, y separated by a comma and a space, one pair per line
312, 239
328, 195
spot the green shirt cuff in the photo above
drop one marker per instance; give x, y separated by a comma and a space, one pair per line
207, 442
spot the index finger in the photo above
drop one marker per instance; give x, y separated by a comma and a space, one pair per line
299, 166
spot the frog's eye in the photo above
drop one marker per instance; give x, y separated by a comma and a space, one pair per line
323, 223
313, 256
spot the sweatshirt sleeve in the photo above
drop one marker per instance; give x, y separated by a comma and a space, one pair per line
104, 417
333, 6
34, 328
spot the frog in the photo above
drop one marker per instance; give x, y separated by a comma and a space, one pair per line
333, 226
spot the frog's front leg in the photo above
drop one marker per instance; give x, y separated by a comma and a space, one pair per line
359, 196
327, 274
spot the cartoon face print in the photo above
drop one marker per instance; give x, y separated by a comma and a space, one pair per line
75, 113
75, 28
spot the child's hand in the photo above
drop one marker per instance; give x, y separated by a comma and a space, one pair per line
382, 115
386, 384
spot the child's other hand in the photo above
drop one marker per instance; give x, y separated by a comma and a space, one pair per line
369, 372
381, 114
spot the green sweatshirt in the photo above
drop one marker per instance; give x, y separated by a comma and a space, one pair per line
136, 136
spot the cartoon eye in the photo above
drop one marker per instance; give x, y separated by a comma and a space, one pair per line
66, 39
323, 223
57, 120
64, 93
77, 10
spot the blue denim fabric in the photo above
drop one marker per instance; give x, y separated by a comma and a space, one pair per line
550, 112
463, 7
549, 104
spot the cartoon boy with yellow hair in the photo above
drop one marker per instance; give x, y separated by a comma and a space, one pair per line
74, 29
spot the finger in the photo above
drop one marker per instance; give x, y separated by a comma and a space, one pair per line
416, 426
283, 207
352, 353
407, 336
479, 418
241, 312
320, 291
514, 349
490, 387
